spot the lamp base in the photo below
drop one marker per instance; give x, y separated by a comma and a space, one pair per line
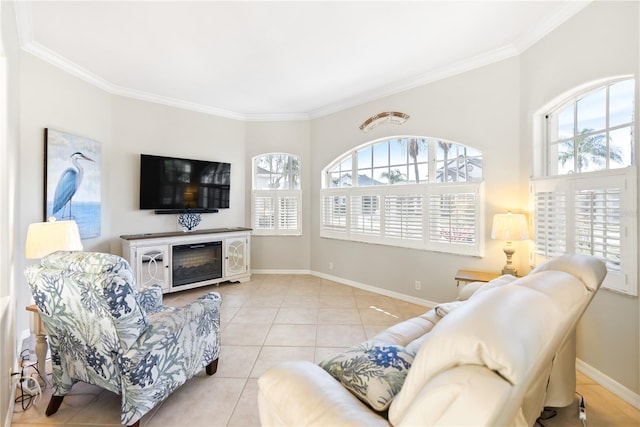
508, 267
510, 271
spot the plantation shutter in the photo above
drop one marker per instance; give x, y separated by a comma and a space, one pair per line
403, 218
288, 213
365, 215
334, 213
605, 227
276, 198
439, 217
276, 212
263, 212
549, 217
454, 217
597, 224
588, 215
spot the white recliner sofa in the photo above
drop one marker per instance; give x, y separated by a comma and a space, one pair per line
496, 359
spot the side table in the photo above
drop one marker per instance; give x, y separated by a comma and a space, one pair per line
468, 276
41, 341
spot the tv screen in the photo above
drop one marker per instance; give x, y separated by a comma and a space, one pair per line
174, 183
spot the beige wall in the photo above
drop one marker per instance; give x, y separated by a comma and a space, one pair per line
142, 127
10, 276
50, 98
477, 108
488, 108
581, 51
283, 252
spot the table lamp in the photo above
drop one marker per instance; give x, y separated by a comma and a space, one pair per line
44, 238
509, 227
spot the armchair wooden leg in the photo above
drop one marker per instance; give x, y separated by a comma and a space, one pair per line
54, 404
212, 367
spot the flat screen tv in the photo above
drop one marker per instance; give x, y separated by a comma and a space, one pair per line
171, 183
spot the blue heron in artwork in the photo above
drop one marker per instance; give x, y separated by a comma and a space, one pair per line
68, 184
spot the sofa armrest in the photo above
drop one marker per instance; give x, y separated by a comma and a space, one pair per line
466, 395
301, 393
468, 290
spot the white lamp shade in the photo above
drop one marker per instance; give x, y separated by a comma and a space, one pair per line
44, 238
510, 227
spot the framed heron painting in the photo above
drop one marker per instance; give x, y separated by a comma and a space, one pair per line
72, 181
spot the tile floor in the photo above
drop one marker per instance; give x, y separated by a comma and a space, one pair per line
270, 319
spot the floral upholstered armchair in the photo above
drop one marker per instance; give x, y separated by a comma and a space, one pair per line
103, 331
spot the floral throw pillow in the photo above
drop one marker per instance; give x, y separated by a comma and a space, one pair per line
372, 371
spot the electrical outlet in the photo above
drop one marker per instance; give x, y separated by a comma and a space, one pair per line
15, 377
330, 266
418, 285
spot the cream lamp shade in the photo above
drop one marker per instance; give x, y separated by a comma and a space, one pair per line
44, 238
509, 227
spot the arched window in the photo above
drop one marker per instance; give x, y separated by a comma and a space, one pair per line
276, 196
584, 192
408, 191
592, 131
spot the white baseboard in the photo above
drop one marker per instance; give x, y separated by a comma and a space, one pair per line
9, 417
352, 283
375, 290
610, 384
271, 271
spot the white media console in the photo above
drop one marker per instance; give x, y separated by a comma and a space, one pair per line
184, 260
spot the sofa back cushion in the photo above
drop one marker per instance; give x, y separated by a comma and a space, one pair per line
511, 330
466, 395
588, 269
473, 288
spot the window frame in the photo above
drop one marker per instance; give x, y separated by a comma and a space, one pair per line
553, 194
573, 100
344, 216
284, 205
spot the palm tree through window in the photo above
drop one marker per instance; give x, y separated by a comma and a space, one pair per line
584, 198
385, 192
276, 199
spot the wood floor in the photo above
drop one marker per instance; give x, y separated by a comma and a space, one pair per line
604, 409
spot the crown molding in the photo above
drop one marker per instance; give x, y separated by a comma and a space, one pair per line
24, 22
285, 117
441, 73
74, 69
25, 34
176, 103
66, 65
566, 11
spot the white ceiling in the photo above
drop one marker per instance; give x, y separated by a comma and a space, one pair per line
278, 60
